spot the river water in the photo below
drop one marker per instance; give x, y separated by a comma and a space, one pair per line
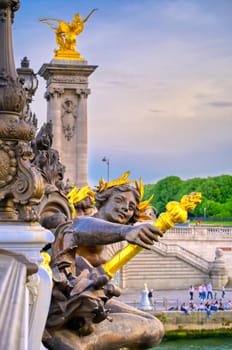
217, 343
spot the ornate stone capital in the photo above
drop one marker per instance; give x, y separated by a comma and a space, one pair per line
82, 92
6, 5
52, 92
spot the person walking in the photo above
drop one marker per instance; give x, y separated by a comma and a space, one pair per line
191, 292
209, 291
223, 292
200, 289
204, 292
150, 296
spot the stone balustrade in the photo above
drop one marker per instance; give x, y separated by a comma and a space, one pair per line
178, 251
183, 256
199, 232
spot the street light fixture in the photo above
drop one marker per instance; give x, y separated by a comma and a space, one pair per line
30, 85
30, 81
107, 161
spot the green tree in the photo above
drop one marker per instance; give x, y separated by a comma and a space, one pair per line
164, 191
216, 194
210, 189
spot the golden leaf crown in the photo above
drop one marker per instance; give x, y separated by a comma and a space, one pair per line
78, 194
123, 180
143, 205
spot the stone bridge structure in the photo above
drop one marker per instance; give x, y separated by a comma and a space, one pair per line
184, 256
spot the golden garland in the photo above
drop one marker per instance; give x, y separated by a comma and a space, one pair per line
78, 194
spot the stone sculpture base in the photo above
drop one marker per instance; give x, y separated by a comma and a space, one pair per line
68, 55
127, 328
108, 334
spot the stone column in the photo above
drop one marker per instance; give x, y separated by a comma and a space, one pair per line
53, 96
67, 92
28, 240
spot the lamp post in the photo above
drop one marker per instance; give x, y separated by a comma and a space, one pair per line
107, 161
204, 213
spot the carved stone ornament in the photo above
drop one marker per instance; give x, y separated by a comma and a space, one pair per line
12, 96
21, 184
8, 163
51, 92
68, 118
47, 160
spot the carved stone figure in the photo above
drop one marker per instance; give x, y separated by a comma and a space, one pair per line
68, 118
54, 207
82, 310
82, 201
47, 158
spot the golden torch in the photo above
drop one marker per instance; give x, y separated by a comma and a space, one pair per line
176, 212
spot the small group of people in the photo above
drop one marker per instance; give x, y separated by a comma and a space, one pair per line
207, 300
205, 292
208, 306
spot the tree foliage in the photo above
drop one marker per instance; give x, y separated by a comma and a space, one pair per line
216, 194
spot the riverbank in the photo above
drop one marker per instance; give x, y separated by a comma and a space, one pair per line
202, 343
164, 300
178, 324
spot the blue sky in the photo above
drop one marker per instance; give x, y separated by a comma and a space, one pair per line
161, 97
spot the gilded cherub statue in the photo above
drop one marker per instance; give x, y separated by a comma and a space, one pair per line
84, 313
66, 34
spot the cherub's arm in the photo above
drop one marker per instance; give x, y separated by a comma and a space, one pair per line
91, 231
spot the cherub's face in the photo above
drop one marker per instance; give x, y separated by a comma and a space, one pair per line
119, 208
150, 212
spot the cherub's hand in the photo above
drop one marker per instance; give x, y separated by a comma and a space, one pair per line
143, 235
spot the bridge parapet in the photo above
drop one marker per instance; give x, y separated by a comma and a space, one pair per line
199, 233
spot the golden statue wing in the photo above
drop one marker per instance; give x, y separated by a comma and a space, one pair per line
87, 17
44, 20
63, 24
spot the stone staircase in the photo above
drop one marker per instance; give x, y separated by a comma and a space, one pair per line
165, 267
184, 256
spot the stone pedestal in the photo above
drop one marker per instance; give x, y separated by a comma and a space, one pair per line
29, 239
218, 271
66, 94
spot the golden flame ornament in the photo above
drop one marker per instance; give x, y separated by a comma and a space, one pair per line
176, 212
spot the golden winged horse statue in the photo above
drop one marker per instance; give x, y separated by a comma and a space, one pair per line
66, 34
